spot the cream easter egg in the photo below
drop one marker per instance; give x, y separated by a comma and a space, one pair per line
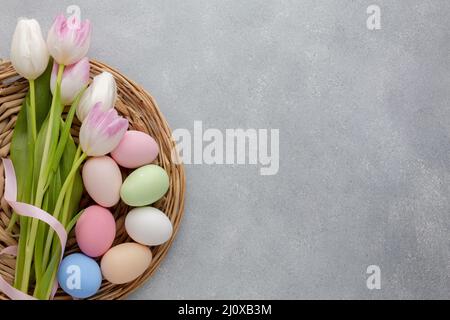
102, 180
125, 262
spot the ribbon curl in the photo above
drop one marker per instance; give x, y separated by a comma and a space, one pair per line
27, 210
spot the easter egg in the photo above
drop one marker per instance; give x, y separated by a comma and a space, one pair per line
125, 262
95, 231
102, 180
79, 276
135, 150
148, 226
145, 186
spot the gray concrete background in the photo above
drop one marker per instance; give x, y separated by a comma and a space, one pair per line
364, 120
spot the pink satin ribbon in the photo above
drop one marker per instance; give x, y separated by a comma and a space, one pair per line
27, 210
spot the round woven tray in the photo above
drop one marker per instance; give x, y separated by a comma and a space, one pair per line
141, 110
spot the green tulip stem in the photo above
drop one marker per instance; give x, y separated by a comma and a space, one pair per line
32, 110
42, 181
68, 184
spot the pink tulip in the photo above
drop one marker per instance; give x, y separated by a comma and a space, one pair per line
102, 131
75, 77
68, 41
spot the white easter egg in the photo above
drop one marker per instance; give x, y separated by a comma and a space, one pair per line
148, 226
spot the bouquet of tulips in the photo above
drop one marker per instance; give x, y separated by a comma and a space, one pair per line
45, 156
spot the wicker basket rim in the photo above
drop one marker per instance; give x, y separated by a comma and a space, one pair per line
141, 109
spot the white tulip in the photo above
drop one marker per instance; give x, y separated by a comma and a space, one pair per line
103, 89
29, 54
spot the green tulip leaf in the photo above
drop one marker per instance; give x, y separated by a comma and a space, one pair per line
21, 150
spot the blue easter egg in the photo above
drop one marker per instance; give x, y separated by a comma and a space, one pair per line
79, 276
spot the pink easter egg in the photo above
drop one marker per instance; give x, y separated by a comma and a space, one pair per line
135, 150
95, 231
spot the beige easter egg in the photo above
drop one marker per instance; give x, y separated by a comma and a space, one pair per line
125, 262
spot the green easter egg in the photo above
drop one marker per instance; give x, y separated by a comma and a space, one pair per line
144, 186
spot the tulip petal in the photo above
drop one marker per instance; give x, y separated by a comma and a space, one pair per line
75, 77
102, 131
68, 42
102, 89
29, 54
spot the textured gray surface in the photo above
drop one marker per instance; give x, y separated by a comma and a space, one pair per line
364, 120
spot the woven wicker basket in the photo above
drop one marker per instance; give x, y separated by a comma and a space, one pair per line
141, 110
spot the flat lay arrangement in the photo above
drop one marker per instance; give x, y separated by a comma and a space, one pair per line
91, 199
